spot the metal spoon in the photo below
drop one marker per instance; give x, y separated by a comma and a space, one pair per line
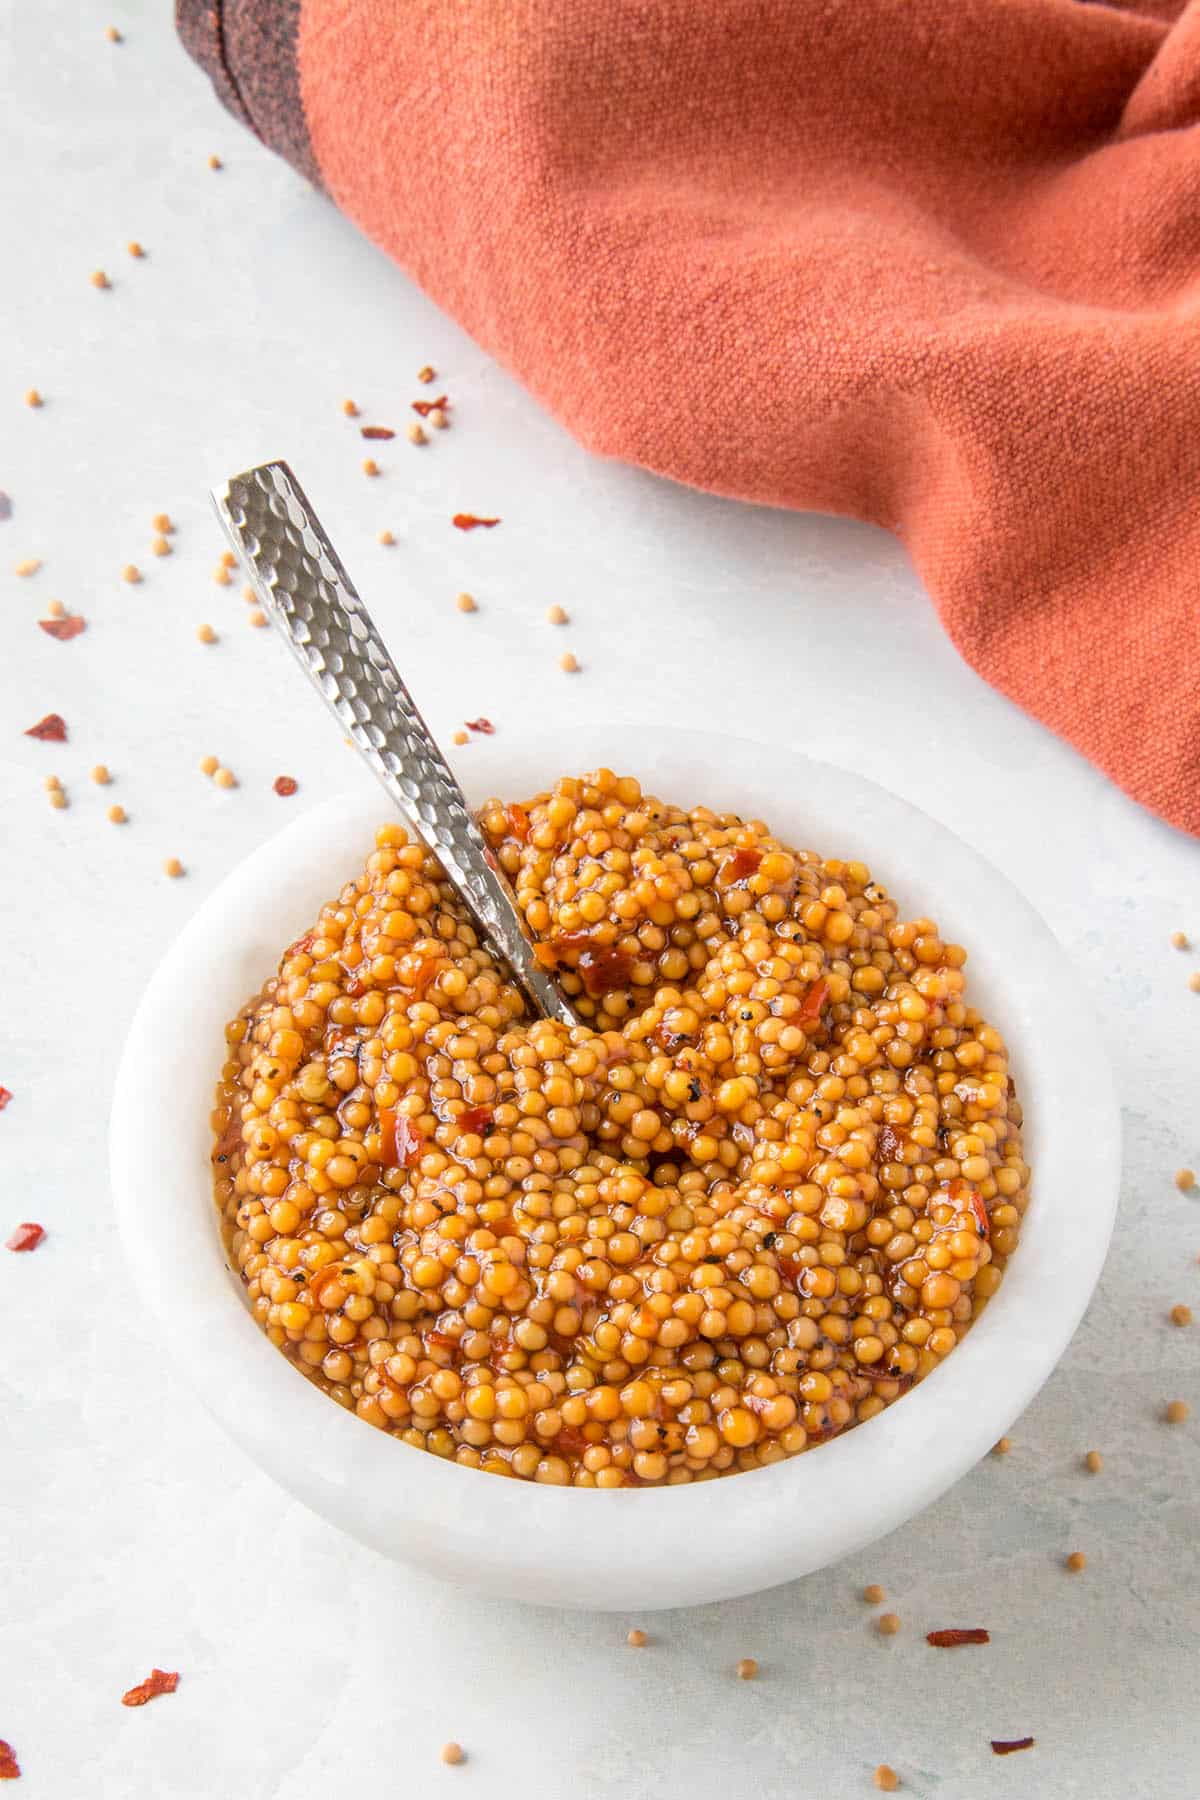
299, 579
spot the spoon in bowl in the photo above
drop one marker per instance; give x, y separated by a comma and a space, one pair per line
299, 580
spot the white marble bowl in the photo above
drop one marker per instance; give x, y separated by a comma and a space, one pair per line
628, 1549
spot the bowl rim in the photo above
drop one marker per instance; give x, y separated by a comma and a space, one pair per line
699, 1542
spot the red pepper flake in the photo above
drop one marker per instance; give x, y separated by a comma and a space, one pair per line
5, 1097
51, 730
26, 1237
570, 1441
400, 1143
946, 1640
377, 431
285, 785
791, 1270
302, 946
981, 1215
10, 1769
518, 823
1006, 1746
482, 725
890, 1143
425, 407
739, 867
69, 626
468, 521
813, 1001
475, 1118
602, 967
159, 1681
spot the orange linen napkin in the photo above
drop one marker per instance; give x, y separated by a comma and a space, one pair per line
935, 265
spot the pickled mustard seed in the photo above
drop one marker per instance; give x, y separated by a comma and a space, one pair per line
131, 573
100, 775
461, 737
888, 1624
33, 398
482, 725
636, 1639
58, 799
1093, 1462
381, 432
55, 609
159, 1681
65, 628
1179, 940
117, 815
370, 466
569, 663
1178, 1412
438, 419
257, 618
51, 730
29, 566
160, 546
886, 1778
1181, 1315
225, 778
214, 162
385, 537
747, 1669
556, 615
1076, 1562
466, 603
453, 1753
953, 1637
470, 521
162, 522
1185, 1180
209, 765
172, 867
1002, 1446
10, 1768
1006, 1746
416, 434
99, 279
5, 1097
26, 1237
426, 374
874, 1595
206, 634
135, 249
285, 785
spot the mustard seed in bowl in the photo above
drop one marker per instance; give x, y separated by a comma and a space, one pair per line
760, 1189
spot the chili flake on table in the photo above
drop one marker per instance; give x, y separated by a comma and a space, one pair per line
159, 1681
10, 1769
947, 1640
26, 1237
284, 785
51, 730
5, 1097
469, 521
69, 626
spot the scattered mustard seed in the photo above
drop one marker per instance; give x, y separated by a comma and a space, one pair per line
466, 603
161, 546
874, 1595
135, 249
131, 573
1181, 1315
1179, 940
886, 1778
636, 1639
1185, 1180
461, 737
209, 765
118, 815
1093, 1462
58, 797
453, 1753
29, 566
349, 408
221, 576
556, 615
569, 663
370, 466
100, 775
1194, 982
51, 782
416, 433
385, 537
248, 595
426, 374
206, 634
747, 1669
438, 419
214, 162
1178, 1412
888, 1624
162, 522
173, 867
33, 398
113, 35
55, 609
257, 617
1077, 1562
228, 559
99, 279
1002, 1446
225, 778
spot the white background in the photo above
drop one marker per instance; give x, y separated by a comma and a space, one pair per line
131, 1533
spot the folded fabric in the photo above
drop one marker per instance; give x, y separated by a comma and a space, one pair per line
936, 266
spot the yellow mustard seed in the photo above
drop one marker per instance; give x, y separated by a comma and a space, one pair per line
886, 1778
214, 162
131, 573
225, 778
249, 596
173, 867
1179, 939
1178, 1412
466, 603
453, 1753
209, 765
257, 617
160, 546
1077, 1562
135, 249
556, 614
51, 782
206, 634
1093, 1462
873, 1594
370, 466
438, 419
1194, 982
163, 522
221, 576
747, 1669
99, 279
426, 374
635, 1639
58, 797
100, 775
118, 815
569, 663
385, 537
55, 609
416, 433
349, 408
1181, 1315
888, 1624
228, 559
113, 35
1002, 1446
461, 737
1185, 1180
29, 566
33, 397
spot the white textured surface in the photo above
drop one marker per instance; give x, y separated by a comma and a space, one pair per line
130, 1532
